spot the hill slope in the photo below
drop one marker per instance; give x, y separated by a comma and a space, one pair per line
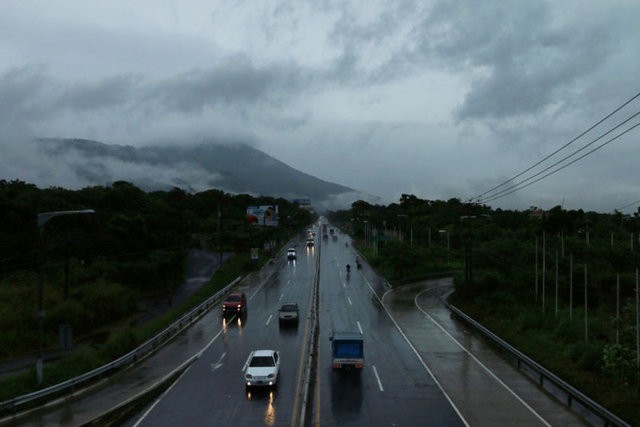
237, 168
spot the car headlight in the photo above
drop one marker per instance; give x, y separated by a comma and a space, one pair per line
271, 375
248, 376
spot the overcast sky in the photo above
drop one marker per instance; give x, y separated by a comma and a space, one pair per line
438, 99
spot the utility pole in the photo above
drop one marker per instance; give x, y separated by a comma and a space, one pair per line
219, 236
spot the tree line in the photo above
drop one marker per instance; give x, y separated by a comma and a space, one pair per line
95, 268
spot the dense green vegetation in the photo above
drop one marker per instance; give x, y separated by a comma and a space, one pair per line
122, 339
97, 268
507, 288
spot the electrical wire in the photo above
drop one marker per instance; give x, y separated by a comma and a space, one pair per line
502, 194
480, 196
565, 158
628, 205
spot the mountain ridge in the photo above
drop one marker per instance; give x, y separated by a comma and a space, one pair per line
235, 168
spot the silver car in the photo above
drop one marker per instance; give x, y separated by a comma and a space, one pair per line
288, 313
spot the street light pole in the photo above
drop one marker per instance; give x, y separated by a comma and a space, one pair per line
42, 219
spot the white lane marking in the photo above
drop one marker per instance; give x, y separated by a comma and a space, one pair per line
218, 364
422, 362
281, 296
359, 327
148, 411
201, 352
269, 320
349, 299
375, 372
344, 285
494, 376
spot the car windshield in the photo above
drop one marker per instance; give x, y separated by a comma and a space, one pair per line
261, 362
234, 298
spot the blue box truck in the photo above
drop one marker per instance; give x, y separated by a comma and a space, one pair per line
347, 350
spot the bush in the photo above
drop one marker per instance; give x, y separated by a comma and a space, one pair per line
588, 355
619, 363
73, 364
119, 344
569, 330
530, 321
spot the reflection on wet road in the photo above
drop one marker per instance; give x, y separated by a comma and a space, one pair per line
486, 389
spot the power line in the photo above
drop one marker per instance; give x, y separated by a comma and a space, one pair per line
629, 205
559, 149
520, 184
563, 166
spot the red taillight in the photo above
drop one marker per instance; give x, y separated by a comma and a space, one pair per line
336, 365
359, 365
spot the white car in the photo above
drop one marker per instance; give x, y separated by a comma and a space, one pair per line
262, 368
291, 254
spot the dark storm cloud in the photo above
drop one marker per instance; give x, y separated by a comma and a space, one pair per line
237, 82
31, 95
110, 92
522, 60
21, 94
525, 62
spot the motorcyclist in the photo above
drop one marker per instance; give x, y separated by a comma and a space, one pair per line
348, 268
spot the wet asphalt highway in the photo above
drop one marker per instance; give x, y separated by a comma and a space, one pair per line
392, 389
421, 366
212, 391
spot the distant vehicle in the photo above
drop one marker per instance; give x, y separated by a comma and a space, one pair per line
288, 313
236, 302
291, 254
262, 368
331, 231
334, 237
310, 243
347, 350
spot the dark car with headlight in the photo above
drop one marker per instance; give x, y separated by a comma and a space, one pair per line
234, 303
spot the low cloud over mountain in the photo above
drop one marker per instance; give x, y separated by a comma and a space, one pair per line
234, 168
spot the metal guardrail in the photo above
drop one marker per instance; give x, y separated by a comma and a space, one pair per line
544, 376
312, 348
11, 406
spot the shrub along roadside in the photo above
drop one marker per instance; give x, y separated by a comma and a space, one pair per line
122, 339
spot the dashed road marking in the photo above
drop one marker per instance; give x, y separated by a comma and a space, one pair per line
375, 372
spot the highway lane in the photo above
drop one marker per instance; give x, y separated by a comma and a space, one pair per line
484, 386
394, 388
212, 391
